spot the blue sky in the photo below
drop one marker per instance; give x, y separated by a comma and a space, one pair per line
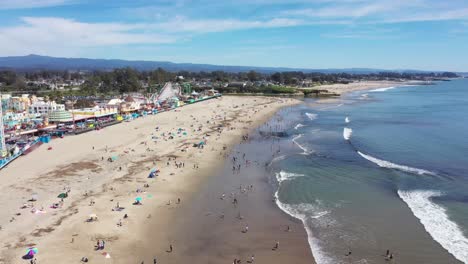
389, 34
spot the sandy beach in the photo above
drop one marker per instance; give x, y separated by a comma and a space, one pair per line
80, 166
97, 187
357, 86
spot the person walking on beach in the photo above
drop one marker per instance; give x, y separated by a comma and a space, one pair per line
276, 246
155, 261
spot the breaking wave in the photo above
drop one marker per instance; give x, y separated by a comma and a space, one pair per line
388, 164
382, 89
435, 220
304, 212
311, 116
298, 126
331, 107
285, 176
306, 151
347, 132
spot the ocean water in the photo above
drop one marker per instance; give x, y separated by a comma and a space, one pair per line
379, 170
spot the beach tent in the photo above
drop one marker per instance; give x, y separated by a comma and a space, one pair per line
32, 251
153, 173
92, 217
62, 195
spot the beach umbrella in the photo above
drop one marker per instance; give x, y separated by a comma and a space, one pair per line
32, 251
92, 216
138, 199
62, 195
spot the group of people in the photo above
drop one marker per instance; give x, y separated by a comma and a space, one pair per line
100, 244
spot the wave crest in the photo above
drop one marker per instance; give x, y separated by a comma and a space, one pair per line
298, 126
388, 164
304, 212
435, 220
311, 116
306, 151
382, 89
347, 132
285, 176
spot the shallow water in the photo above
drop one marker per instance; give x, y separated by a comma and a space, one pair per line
383, 169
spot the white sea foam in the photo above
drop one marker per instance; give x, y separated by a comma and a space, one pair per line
388, 164
286, 176
304, 212
347, 132
331, 107
437, 223
382, 89
306, 151
365, 96
298, 126
311, 116
282, 157
347, 120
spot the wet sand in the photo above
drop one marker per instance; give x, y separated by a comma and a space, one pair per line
209, 230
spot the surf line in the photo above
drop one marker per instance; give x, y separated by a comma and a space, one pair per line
347, 133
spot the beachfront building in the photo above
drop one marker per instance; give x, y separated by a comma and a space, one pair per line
95, 111
5, 102
113, 103
129, 105
60, 116
41, 107
19, 104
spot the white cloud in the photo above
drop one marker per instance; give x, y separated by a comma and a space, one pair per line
385, 11
182, 24
58, 35
459, 14
23, 4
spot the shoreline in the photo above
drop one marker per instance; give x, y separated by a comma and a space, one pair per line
45, 174
145, 230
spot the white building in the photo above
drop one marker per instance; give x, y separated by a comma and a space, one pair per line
42, 107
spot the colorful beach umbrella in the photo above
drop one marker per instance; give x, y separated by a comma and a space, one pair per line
138, 199
32, 251
62, 195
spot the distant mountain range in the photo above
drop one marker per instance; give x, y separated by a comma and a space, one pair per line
38, 62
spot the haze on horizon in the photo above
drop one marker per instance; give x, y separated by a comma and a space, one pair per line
385, 34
